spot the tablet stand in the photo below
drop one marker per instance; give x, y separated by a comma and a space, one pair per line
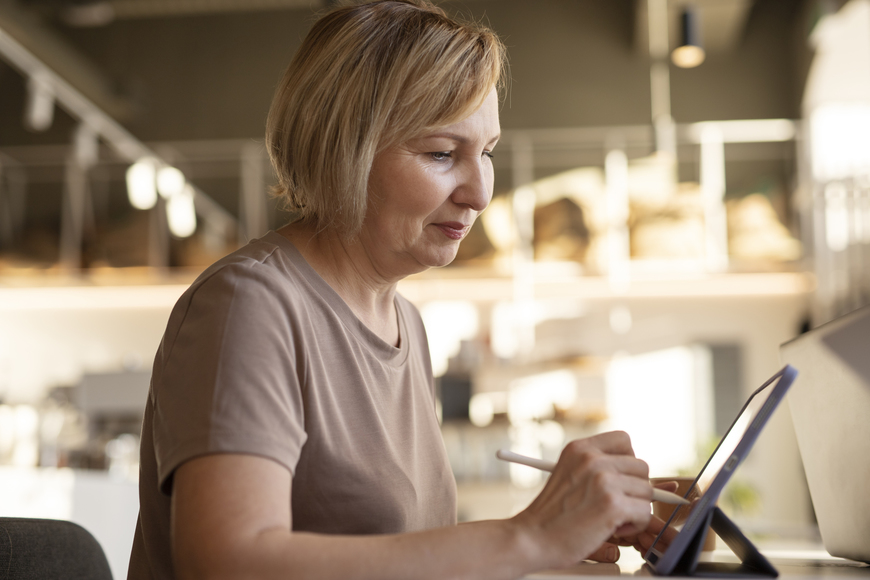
752, 562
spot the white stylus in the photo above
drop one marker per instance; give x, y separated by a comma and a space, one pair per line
505, 455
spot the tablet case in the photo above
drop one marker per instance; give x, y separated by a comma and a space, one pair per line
752, 562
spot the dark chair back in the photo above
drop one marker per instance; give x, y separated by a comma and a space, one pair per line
37, 549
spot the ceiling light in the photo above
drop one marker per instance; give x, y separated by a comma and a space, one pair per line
181, 213
170, 182
141, 183
39, 110
89, 14
86, 145
690, 53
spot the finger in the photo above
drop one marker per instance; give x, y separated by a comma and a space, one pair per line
636, 519
610, 443
656, 525
632, 466
635, 486
607, 553
644, 541
605, 477
629, 531
671, 486
654, 531
620, 541
604, 481
667, 533
613, 442
585, 458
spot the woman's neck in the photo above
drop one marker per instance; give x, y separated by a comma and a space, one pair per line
346, 268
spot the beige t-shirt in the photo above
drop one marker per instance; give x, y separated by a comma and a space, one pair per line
261, 356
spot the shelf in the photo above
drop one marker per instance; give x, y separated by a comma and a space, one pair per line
152, 288
421, 289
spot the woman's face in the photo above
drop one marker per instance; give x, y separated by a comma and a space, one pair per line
425, 194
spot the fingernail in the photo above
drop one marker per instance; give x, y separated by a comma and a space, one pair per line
611, 553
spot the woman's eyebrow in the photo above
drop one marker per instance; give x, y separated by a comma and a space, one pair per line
461, 139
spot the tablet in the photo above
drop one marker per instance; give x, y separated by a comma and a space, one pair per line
680, 557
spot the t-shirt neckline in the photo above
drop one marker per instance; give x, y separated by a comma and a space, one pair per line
382, 349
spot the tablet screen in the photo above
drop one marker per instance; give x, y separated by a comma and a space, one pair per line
752, 417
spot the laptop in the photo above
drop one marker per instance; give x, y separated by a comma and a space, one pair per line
830, 408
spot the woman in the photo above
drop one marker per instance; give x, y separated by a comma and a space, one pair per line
290, 428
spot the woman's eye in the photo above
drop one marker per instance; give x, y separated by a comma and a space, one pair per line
489, 154
440, 155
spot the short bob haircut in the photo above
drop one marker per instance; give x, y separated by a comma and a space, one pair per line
368, 77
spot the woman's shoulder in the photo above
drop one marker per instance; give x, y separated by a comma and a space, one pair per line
262, 269
261, 256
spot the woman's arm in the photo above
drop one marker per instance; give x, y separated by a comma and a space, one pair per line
231, 518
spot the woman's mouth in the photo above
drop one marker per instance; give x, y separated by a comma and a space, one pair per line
453, 230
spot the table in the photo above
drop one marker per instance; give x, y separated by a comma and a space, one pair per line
793, 564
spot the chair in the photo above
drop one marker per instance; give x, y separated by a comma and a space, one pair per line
38, 549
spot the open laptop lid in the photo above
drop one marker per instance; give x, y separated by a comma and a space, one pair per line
679, 557
830, 408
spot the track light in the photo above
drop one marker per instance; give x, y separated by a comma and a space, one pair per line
170, 182
181, 212
39, 110
89, 14
86, 145
690, 53
142, 183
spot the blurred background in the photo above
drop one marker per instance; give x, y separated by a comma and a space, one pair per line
681, 186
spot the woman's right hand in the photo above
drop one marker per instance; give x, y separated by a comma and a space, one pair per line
599, 490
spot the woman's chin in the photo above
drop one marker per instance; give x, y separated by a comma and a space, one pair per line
439, 259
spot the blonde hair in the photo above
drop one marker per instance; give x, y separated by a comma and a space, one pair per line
368, 77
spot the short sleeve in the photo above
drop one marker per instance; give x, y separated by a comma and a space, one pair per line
227, 377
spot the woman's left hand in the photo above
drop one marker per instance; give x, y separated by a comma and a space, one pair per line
643, 541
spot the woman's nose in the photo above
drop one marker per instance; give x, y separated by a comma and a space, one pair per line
475, 189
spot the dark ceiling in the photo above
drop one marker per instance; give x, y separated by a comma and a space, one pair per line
209, 74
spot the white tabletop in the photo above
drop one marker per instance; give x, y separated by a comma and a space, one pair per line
815, 564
